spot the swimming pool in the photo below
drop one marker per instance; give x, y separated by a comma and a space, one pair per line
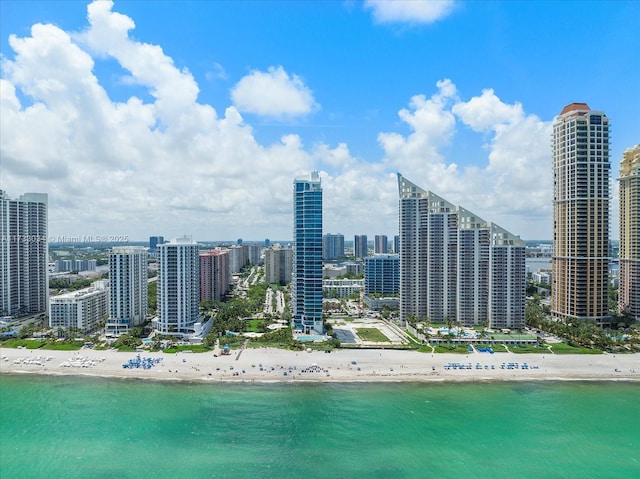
307, 338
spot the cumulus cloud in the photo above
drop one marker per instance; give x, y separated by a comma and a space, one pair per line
518, 157
168, 164
273, 93
409, 11
171, 165
432, 126
487, 111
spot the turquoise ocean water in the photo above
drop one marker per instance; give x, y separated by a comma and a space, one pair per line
66, 427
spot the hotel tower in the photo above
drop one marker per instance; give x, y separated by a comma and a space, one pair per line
306, 279
456, 265
580, 259
629, 288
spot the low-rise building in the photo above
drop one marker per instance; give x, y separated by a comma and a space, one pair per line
341, 288
80, 310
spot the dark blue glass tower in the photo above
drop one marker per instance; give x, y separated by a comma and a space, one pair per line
306, 281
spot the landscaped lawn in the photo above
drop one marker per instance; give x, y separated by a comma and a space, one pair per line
64, 346
526, 348
253, 325
561, 348
372, 334
450, 348
27, 343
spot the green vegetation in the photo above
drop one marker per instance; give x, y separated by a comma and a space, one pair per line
281, 338
26, 343
127, 342
527, 348
194, 348
232, 315
59, 283
413, 338
497, 348
234, 342
372, 334
152, 297
256, 326
451, 348
585, 334
49, 344
561, 348
63, 345
425, 348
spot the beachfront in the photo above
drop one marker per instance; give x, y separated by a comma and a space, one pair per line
341, 365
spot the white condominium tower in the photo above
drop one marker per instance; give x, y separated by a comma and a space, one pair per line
306, 279
24, 288
178, 286
455, 265
629, 288
580, 259
128, 289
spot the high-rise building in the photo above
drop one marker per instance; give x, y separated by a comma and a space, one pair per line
238, 257
380, 245
382, 274
396, 244
67, 265
306, 280
80, 311
360, 246
154, 241
455, 265
128, 302
254, 253
178, 286
278, 262
24, 288
332, 246
629, 255
214, 275
580, 259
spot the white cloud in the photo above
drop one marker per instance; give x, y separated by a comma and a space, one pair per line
433, 126
217, 71
172, 165
169, 166
487, 111
273, 93
519, 158
409, 11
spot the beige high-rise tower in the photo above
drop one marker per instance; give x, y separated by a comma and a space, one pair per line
629, 288
580, 261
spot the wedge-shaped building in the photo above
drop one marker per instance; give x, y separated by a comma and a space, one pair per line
455, 265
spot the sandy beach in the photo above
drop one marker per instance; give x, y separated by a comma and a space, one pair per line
342, 365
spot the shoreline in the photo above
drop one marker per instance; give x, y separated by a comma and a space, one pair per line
269, 365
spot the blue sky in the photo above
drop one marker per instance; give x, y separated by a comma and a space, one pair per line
142, 118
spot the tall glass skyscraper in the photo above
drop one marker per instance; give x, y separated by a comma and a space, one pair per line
360, 246
306, 281
333, 246
381, 245
580, 260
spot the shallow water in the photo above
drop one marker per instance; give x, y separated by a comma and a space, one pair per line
67, 427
